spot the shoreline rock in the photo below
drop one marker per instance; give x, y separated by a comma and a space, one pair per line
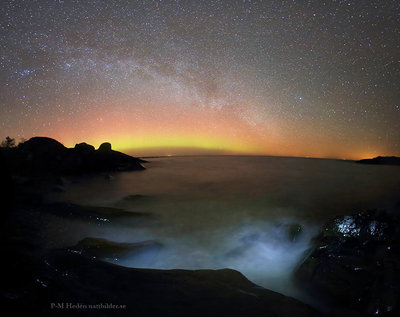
42, 156
97, 214
110, 250
65, 277
355, 264
381, 160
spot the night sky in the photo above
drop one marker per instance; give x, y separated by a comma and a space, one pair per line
298, 78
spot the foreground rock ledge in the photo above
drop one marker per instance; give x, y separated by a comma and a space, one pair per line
64, 277
355, 265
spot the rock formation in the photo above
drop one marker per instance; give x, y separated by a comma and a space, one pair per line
41, 156
69, 278
355, 264
110, 250
105, 147
382, 160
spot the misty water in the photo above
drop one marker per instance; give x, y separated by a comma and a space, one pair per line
228, 211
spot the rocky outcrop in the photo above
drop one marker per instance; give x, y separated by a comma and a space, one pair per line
41, 156
111, 250
105, 147
382, 160
355, 265
62, 277
84, 147
6, 191
95, 214
41, 146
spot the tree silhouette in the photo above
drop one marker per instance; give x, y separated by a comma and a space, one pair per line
8, 142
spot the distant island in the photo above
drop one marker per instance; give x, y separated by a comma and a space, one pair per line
381, 160
41, 156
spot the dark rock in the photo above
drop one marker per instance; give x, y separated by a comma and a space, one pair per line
114, 161
30, 191
106, 249
382, 160
96, 214
42, 145
142, 160
105, 147
39, 156
293, 231
109, 177
135, 200
45, 157
136, 197
356, 263
65, 277
84, 147
6, 190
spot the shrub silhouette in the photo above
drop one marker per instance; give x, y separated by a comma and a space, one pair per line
8, 142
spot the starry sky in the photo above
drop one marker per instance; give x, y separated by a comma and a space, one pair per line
163, 77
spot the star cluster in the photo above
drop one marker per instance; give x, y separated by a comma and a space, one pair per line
309, 78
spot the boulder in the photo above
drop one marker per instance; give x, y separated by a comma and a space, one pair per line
42, 145
105, 147
84, 147
39, 156
355, 264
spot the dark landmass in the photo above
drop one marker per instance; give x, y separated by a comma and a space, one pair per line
355, 265
41, 156
382, 160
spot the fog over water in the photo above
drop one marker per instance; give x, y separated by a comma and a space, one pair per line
231, 211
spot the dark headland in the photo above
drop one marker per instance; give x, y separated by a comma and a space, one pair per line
381, 160
45, 156
354, 265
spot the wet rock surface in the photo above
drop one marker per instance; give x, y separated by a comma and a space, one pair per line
111, 250
95, 214
355, 265
293, 230
62, 277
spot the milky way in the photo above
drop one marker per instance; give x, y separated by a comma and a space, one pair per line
307, 78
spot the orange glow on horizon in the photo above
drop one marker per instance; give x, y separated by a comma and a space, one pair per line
166, 129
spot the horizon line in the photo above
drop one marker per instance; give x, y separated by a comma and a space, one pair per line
245, 155
223, 152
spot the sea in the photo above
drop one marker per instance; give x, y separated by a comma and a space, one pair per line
254, 214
